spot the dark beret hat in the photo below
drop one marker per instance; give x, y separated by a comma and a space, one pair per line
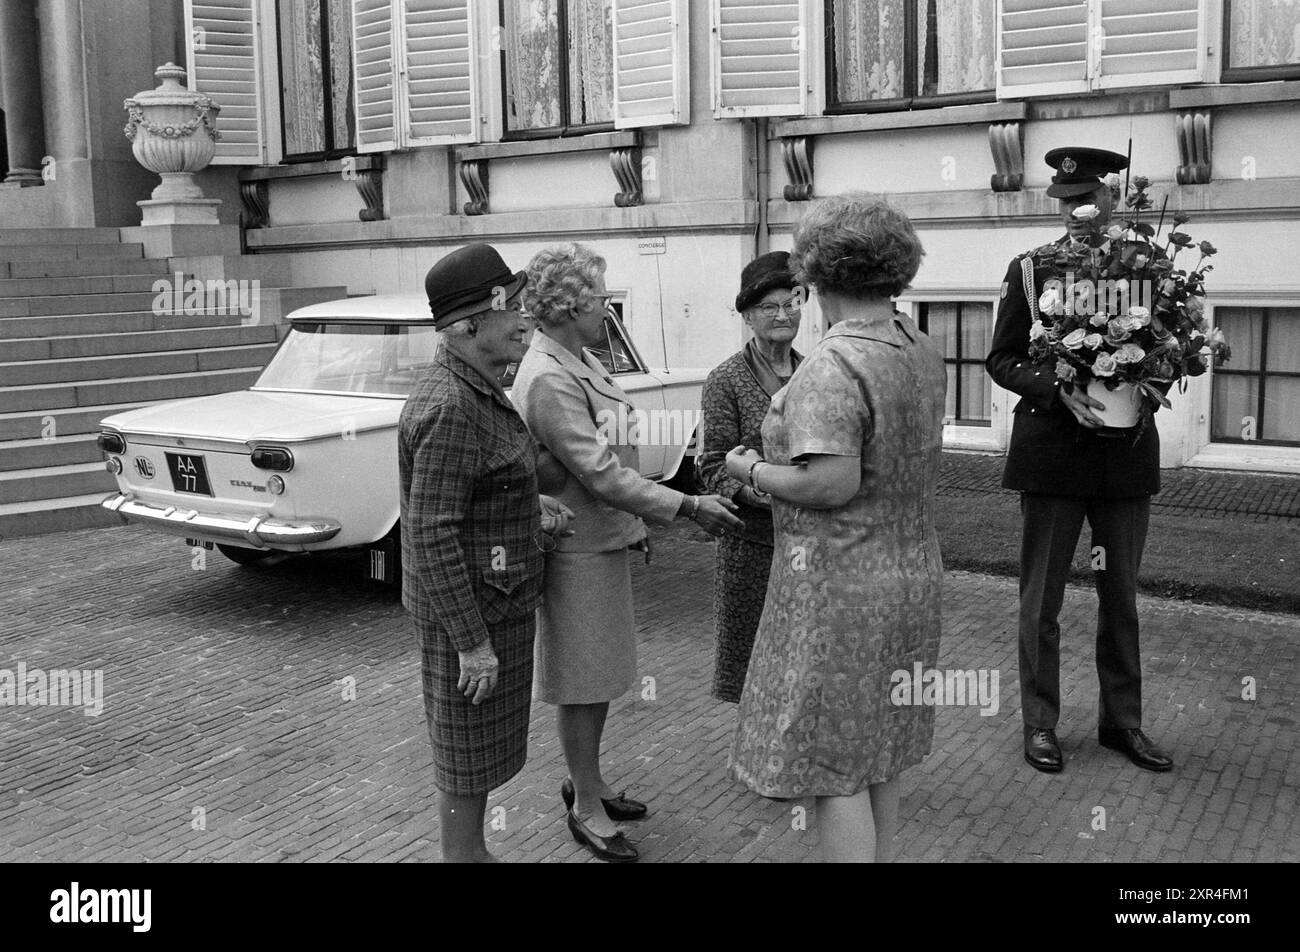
761, 275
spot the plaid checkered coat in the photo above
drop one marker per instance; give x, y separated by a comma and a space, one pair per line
471, 566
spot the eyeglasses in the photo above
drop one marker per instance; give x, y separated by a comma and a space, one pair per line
769, 310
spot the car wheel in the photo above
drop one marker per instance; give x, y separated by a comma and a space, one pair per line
244, 556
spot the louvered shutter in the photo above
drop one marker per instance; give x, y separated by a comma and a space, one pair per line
760, 52
225, 63
1042, 47
651, 75
1150, 42
373, 72
439, 87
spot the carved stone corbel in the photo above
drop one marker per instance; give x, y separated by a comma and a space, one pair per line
370, 184
257, 203
474, 175
1192, 130
796, 153
626, 163
1007, 143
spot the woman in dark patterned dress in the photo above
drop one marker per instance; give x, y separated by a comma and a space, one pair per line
737, 395
853, 445
472, 542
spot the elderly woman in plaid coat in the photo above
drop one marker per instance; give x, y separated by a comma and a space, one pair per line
472, 541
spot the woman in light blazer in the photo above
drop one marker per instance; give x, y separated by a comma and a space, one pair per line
586, 647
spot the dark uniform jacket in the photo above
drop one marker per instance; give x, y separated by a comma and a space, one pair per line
1050, 452
470, 517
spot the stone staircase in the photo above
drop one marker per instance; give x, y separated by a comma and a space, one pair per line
81, 338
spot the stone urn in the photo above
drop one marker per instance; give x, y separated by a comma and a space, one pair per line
173, 134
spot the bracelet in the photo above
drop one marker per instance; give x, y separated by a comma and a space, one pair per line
749, 478
695, 508
753, 478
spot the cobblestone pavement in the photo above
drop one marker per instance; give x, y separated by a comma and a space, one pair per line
1254, 497
226, 734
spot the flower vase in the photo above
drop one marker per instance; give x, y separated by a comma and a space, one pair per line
1123, 404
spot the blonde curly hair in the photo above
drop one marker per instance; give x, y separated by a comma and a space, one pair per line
561, 278
858, 245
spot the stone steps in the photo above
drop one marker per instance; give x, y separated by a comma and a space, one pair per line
83, 335
85, 393
56, 451
118, 366
64, 285
94, 267
28, 425
63, 236
136, 342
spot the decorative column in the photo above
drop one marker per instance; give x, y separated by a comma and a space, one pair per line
173, 133
20, 77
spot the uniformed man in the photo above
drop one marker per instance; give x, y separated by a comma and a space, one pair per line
1067, 466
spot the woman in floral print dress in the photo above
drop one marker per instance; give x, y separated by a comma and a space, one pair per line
853, 447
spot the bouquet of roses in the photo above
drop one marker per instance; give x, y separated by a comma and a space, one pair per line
1119, 310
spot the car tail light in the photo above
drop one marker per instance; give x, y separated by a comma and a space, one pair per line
273, 457
276, 485
113, 465
111, 442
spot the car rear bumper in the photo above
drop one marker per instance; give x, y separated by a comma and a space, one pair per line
257, 531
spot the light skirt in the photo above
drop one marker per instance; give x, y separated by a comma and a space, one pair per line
585, 652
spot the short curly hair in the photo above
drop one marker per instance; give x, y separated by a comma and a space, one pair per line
560, 278
858, 245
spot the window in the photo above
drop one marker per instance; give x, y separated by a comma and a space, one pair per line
613, 352
965, 332
315, 39
1256, 396
1262, 38
557, 68
1050, 47
892, 53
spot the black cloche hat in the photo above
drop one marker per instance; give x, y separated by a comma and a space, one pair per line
466, 281
1079, 170
761, 275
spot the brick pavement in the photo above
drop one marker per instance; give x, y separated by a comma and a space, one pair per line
226, 736
1258, 497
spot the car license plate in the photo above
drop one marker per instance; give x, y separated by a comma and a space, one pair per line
189, 474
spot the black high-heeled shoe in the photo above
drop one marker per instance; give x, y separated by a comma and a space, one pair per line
618, 809
612, 849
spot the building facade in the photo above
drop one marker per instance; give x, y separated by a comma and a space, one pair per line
366, 138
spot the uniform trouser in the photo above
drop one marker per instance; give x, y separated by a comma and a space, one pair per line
1051, 532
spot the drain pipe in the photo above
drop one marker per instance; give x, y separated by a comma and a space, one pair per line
761, 187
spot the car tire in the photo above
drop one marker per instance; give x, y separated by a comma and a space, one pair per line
242, 556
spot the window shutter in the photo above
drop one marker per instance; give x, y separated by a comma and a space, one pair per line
224, 62
760, 52
373, 69
651, 77
439, 95
1042, 47
1149, 42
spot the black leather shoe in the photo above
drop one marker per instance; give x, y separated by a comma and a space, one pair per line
1042, 752
612, 849
618, 809
1132, 742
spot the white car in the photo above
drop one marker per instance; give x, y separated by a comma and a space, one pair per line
306, 459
